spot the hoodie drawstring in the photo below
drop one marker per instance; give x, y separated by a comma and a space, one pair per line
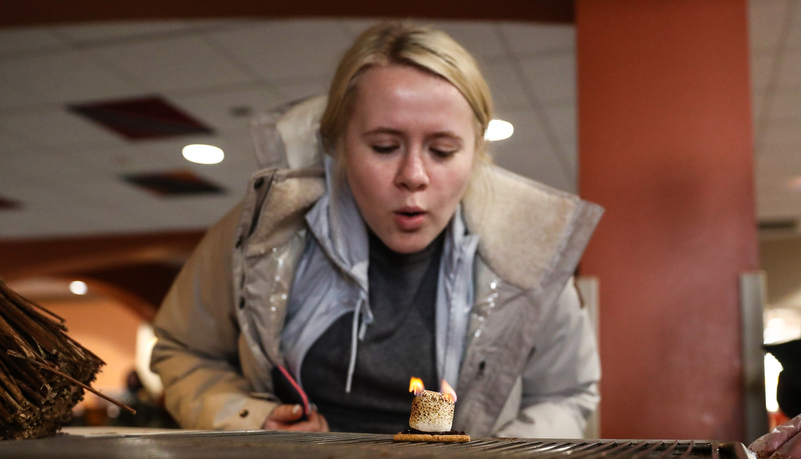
357, 334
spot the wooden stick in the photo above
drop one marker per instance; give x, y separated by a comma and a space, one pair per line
17, 298
75, 381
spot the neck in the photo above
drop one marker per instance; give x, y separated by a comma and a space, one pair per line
379, 249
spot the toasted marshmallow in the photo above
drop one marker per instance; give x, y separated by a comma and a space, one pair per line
432, 412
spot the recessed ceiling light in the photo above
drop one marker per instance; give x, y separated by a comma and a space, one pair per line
78, 287
203, 154
499, 130
795, 184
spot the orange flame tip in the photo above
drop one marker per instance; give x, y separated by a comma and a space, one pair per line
416, 386
448, 391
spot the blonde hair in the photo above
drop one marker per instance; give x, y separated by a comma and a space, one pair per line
395, 43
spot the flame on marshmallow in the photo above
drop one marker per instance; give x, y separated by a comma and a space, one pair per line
416, 386
448, 391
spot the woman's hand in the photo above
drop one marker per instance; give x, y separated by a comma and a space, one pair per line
287, 417
783, 442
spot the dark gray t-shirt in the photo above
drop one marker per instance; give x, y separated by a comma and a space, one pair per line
399, 344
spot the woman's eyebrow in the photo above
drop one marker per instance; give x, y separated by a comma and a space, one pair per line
449, 134
383, 130
436, 135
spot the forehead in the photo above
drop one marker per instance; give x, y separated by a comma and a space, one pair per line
409, 96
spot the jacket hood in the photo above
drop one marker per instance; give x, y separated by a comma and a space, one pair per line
500, 207
503, 207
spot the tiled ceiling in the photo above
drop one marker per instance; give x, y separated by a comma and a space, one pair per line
775, 29
62, 174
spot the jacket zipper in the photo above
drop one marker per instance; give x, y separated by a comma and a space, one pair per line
260, 203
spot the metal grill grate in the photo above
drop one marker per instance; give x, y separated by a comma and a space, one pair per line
286, 445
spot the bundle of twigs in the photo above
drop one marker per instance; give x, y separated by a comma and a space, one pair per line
43, 372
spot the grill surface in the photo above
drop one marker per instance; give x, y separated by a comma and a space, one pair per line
286, 445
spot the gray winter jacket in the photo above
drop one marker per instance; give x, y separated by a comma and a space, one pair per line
527, 367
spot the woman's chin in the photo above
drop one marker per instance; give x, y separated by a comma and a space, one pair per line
408, 243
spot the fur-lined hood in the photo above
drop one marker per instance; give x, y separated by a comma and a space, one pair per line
503, 208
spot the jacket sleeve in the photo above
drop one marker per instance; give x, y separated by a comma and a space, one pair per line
560, 381
196, 354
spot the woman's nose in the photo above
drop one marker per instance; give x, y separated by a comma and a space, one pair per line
412, 172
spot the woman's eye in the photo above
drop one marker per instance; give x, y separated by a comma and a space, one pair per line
443, 153
384, 148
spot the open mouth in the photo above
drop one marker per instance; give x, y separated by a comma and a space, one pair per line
410, 219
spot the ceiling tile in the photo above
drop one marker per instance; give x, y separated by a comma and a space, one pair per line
757, 108
505, 152
529, 153
68, 204
777, 198
32, 223
113, 159
571, 157
766, 20
479, 38
240, 151
301, 88
159, 155
204, 211
68, 76
114, 31
762, 71
239, 154
563, 120
17, 40
9, 204
538, 162
355, 26
108, 191
36, 165
782, 135
508, 91
56, 128
786, 103
216, 108
272, 48
778, 207
553, 78
789, 68
527, 127
182, 63
777, 154
793, 37
536, 39
173, 182
15, 93
50, 193
11, 142
235, 179
141, 118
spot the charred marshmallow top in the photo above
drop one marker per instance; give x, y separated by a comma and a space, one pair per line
432, 412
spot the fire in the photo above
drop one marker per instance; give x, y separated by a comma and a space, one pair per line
416, 386
448, 391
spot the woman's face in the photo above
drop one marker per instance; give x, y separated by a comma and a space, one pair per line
409, 148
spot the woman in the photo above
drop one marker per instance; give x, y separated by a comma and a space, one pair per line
407, 254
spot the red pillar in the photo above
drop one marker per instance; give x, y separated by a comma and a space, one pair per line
665, 145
